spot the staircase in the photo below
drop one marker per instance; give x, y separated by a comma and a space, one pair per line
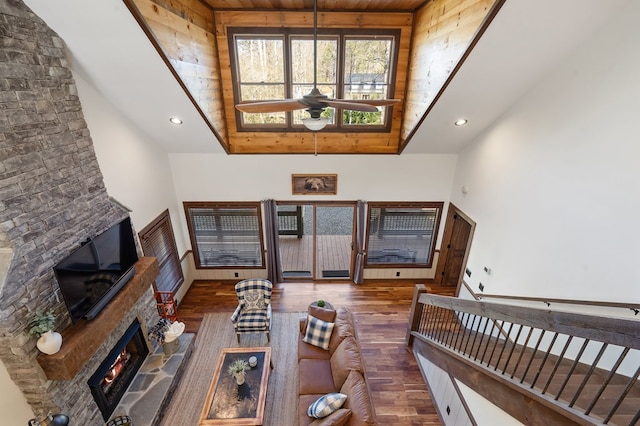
540, 366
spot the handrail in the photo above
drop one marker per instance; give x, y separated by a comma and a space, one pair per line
635, 307
615, 331
547, 300
543, 351
290, 222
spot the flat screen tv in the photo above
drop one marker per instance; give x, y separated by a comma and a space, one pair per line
94, 273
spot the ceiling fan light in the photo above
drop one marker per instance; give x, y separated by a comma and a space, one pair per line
315, 124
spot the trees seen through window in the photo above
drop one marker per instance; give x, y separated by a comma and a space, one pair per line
350, 65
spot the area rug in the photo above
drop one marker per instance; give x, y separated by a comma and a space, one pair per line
215, 333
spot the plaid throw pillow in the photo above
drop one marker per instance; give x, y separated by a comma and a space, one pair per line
326, 405
318, 332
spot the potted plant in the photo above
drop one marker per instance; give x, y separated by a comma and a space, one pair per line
321, 303
166, 333
237, 369
157, 333
41, 326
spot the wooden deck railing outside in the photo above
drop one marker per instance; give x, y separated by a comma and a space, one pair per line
571, 361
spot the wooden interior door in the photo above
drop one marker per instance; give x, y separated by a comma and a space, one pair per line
454, 251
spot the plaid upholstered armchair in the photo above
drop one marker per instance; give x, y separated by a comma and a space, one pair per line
253, 314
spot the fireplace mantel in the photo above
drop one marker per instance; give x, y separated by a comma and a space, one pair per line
82, 339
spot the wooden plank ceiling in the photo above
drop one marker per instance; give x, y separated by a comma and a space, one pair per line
327, 5
191, 36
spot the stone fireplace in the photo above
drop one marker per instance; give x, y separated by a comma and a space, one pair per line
52, 197
86, 345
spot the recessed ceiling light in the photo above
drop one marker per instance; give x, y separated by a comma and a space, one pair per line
175, 120
461, 122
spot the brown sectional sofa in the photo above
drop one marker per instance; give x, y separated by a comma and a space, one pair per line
338, 369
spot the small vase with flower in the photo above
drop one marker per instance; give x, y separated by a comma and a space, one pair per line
42, 325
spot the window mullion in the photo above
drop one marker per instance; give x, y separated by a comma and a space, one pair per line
340, 77
288, 83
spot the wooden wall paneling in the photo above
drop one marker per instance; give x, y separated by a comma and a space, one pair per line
303, 142
184, 31
443, 30
370, 5
194, 11
227, 82
194, 40
404, 5
248, 18
178, 43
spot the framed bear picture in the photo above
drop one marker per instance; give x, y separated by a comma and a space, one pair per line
314, 184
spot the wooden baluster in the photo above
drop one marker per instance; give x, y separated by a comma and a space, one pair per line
416, 312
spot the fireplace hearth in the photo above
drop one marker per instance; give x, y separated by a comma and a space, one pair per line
113, 376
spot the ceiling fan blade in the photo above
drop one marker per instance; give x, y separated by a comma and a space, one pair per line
351, 106
376, 102
271, 106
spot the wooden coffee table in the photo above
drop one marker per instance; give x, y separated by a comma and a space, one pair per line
231, 404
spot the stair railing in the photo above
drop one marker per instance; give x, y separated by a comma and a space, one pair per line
554, 354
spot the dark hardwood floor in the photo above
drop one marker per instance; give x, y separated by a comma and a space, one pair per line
381, 309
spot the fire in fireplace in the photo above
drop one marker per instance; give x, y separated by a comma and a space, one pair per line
114, 371
112, 378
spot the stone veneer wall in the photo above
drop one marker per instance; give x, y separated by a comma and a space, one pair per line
52, 197
74, 396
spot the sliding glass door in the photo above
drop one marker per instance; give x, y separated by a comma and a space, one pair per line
316, 240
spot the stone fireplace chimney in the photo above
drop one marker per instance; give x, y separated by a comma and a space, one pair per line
52, 197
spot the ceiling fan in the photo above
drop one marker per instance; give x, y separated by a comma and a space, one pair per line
314, 102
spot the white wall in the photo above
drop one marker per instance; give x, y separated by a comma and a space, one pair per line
13, 405
443, 393
199, 177
136, 172
418, 177
553, 184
